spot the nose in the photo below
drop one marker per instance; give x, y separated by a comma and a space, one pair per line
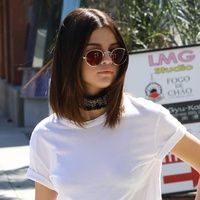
106, 58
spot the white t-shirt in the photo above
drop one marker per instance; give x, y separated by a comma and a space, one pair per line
97, 162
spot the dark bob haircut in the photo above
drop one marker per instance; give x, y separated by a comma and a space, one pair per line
66, 88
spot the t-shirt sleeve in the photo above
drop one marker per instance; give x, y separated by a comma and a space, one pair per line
39, 165
168, 132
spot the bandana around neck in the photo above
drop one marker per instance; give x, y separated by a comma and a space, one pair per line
95, 102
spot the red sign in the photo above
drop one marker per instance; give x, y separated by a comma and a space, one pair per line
179, 176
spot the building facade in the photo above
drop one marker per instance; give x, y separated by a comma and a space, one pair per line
27, 29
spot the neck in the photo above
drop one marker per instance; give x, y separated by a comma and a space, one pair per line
92, 114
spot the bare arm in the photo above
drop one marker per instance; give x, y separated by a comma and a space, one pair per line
44, 193
188, 150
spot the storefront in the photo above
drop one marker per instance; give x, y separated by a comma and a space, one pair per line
27, 30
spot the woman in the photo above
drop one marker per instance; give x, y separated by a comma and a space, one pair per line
100, 143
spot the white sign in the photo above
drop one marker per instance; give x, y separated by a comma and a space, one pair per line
170, 77
171, 74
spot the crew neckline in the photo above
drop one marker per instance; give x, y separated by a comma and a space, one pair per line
88, 124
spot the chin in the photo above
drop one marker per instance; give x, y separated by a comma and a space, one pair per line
105, 86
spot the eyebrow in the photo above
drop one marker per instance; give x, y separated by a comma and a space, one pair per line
97, 44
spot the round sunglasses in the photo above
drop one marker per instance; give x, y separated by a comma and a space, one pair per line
95, 56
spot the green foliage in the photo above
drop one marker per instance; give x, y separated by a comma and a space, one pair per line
151, 24
185, 16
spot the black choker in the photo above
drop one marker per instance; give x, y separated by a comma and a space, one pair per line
95, 102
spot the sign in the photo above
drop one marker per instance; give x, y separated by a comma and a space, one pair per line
170, 77
165, 76
177, 176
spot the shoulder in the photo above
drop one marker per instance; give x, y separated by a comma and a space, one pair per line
142, 105
45, 129
51, 129
49, 123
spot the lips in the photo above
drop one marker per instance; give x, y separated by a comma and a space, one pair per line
106, 72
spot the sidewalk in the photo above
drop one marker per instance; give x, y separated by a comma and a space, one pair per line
14, 159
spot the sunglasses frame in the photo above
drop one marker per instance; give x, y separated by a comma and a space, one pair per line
103, 53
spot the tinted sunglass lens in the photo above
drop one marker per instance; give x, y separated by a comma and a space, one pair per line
94, 57
118, 56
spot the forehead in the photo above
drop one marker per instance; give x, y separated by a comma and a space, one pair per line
102, 36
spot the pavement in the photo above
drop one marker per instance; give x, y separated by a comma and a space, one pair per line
14, 159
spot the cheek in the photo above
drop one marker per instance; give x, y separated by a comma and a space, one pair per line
87, 72
116, 71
